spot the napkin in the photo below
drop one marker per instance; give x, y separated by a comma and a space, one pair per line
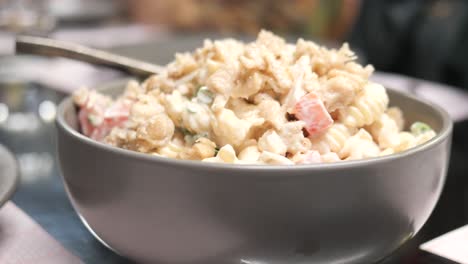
453, 245
23, 241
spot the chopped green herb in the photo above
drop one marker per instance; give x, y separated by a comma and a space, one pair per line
418, 128
195, 92
198, 136
204, 95
189, 139
191, 109
95, 120
185, 131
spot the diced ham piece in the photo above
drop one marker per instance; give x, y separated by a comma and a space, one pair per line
311, 110
101, 131
119, 109
98, 118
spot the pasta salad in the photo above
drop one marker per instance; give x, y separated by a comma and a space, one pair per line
264, 102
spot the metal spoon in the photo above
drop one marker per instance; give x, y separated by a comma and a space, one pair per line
52, 47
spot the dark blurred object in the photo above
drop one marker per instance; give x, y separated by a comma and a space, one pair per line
427, 258
421, 38
452, 210
323, 19
426, 39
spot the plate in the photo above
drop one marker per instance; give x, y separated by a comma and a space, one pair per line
8, 175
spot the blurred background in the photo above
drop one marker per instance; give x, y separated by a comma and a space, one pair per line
415, 45
420, 38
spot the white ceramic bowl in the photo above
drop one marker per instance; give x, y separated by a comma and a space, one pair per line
160, 210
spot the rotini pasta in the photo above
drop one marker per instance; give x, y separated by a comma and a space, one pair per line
226, 154
250, 154
360, 146
333, 139
385, 131
264, 102
367, 106
272, 142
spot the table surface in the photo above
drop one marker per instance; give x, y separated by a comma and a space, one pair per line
41, 193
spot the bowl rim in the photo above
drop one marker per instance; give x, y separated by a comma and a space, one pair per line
445, 132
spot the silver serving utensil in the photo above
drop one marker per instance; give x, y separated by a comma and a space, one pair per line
51, 47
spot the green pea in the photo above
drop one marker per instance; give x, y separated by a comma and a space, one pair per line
418, 128
204, 95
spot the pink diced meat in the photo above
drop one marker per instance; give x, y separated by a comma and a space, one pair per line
311, 110
98, 116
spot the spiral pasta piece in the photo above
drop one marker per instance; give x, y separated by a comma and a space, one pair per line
360, 146
333, 139
366, 108
385, 131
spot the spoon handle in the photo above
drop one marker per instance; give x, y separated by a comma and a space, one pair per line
51, 47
